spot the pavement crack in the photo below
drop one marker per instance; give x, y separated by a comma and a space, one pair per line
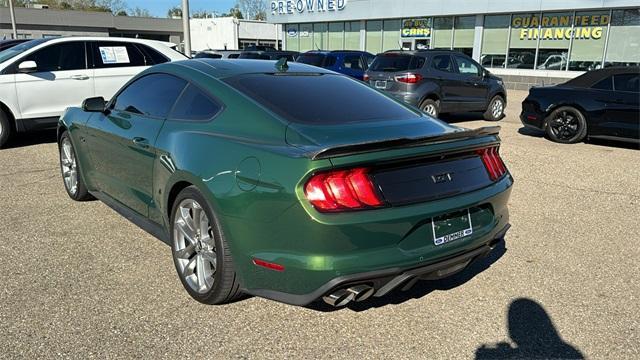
27, 172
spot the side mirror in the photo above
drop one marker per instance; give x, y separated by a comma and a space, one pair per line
94, 104
27, 67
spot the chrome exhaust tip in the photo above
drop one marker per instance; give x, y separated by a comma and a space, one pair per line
339, 298
361, 292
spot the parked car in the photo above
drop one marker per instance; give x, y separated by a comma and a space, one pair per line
269, 55
217, 54
267, 48
600, 104
439, 81
66, 70
5, 44
260, 188
348, 62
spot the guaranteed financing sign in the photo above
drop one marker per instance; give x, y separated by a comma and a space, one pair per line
559, 27
283, 7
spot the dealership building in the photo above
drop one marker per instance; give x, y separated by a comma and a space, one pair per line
525, 42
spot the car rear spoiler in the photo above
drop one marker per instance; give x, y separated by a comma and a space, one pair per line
352, 149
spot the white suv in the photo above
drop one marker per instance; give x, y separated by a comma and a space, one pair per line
39, 79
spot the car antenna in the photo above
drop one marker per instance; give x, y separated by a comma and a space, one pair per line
282, 65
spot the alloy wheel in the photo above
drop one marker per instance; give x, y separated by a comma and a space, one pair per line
69, 166
194, 245
497, 109
565, 125
430, 109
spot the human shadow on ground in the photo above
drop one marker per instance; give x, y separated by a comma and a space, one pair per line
421, 288
533, 333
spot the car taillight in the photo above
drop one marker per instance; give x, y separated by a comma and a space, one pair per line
492, 162
365, 77
342, 190
409, 78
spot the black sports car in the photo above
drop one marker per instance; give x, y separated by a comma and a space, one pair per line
598, 104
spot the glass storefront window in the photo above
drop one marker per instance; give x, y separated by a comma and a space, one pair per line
306, 37
292, 33
374, 36
391, 35
352, 35
623, 48
555, 38
525, 29
442, 33
335, 36
494, 40
589, 37
463, 34
320, 36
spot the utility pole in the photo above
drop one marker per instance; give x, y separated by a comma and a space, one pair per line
186, 28
13, 19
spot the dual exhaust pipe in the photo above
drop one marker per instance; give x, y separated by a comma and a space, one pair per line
342, 297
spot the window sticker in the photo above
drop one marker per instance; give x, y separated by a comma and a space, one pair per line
114, 54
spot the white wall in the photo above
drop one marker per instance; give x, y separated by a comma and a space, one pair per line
218, 33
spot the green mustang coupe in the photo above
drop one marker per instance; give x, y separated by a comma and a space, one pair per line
287, 181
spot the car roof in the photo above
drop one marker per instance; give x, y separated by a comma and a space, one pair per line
590, 78
106, 38
222, 68
421, 52
326, 52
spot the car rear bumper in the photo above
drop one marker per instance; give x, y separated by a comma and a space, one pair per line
531, 115
375, 246
406, 97
387, 280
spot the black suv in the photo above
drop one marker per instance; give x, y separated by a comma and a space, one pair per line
439, 81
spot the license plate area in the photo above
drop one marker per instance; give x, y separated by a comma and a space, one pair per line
451, 227
381, 84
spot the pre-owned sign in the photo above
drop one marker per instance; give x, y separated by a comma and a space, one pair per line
283, 7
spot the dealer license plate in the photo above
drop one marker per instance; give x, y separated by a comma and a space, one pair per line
451, 227
381, 84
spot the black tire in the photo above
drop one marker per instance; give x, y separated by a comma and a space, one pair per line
80, 193
431, 107
5, 128
566, 125
226, 285
495, 110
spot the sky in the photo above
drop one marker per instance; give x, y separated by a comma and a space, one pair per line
159, 7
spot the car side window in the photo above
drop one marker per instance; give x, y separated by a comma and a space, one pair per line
60, 57
627, 82
604, 84
466, 66
113, 54
330, 61
151, 95
442, 63
153, 54
353, 62
194, 105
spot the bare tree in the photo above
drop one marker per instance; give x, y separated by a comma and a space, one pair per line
140, 12
253, 9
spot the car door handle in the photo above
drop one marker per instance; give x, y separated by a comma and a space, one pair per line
141, 142
80, 77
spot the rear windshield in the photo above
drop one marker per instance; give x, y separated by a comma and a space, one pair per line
311, 59
319, 99
396, 62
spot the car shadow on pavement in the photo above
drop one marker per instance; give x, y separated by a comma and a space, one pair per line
454, 118
31, 138
533, 333
421, 288
597, 142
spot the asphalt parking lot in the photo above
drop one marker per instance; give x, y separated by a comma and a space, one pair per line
80, 281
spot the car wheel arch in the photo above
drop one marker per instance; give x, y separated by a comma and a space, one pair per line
12, 118
555, 106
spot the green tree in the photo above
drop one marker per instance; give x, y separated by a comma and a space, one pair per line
174, 12
233, 12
